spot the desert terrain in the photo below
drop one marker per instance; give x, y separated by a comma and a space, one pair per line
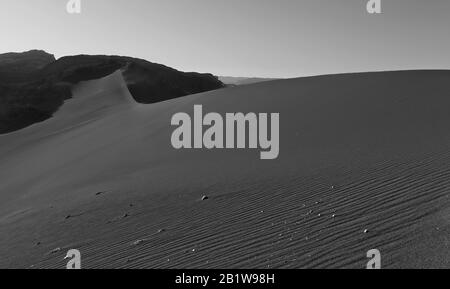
364, 163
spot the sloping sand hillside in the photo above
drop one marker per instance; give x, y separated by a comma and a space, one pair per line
357, 152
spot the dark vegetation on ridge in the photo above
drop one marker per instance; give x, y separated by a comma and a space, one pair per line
33, 84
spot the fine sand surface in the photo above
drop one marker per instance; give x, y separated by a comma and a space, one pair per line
357, 152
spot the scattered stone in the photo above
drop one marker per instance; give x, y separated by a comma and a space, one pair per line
366, 231
138, 242
161, 231
73, 216
56, 250
204, 198
125, 216
333, 216
319, 215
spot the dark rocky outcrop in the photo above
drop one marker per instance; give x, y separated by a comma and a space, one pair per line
33, 85
21, 66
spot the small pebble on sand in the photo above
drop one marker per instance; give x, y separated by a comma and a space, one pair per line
138, 242
56, 250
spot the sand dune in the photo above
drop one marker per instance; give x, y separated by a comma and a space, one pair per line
34, 85
357, 152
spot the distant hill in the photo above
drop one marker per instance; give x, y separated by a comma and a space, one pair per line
18, 66
33, 85
230, 80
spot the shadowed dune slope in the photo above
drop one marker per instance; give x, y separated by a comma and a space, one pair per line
357, 152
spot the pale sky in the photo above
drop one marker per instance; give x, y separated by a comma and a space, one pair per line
264, 38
